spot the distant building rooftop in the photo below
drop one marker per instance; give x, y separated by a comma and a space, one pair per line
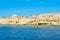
14, 15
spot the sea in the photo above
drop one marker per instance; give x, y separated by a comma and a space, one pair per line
26, 32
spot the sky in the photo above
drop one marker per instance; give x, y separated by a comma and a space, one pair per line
28, 7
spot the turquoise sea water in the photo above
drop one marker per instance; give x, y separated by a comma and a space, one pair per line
29, 32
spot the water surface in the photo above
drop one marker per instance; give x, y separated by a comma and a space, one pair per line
29, 32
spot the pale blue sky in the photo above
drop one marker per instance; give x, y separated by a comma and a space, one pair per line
28, 7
